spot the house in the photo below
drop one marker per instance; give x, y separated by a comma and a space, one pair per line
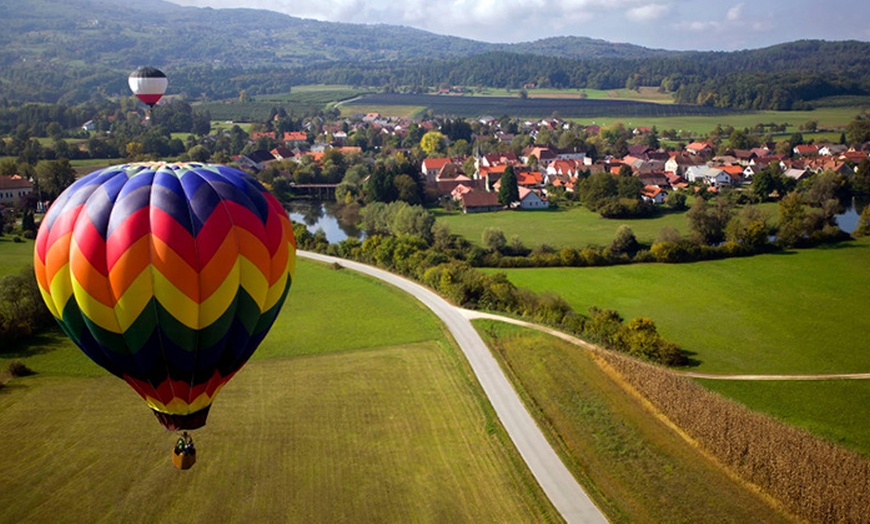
545, 155
480, 202
282, 153
680, 163
256, 160
460, 190
295, 138
703, 149
568, 167
795, 173
654, 178
496, 159
12, 188
532, 200
529, 178
262, 134
854, 157
640, 151
431, 167
675, 180
89, 126
735, 172
806, 149
641, 130
832, 149
573, 154
743, 156
653, 194
711, 176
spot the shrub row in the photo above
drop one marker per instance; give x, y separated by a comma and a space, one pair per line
815, 479
22, 310
448, 267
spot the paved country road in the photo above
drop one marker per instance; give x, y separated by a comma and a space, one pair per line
554, 478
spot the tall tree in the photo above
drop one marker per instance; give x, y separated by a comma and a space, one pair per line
509, 191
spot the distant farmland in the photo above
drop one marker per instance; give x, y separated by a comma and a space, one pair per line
475, 106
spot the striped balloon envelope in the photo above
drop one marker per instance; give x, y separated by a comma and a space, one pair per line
168, 276
148, 84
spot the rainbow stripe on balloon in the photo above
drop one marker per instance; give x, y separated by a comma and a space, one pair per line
168, 276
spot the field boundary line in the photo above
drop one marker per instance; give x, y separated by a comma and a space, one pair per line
471, 314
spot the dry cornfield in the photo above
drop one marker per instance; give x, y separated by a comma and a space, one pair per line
813, 478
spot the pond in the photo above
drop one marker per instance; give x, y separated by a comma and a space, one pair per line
336, 221
848, 220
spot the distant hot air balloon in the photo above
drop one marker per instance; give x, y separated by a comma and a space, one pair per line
168, 276
148, 84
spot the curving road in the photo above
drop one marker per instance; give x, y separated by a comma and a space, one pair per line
557, 482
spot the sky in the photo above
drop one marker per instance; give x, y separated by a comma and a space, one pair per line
660, 24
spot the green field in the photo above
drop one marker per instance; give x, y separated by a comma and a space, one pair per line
575, 226
300, 100
332, 421
633, 465
644, 94
14, 255
393, 111
794, 312
699, 126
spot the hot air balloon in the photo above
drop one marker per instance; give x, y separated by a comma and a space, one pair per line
148, 84
168, 276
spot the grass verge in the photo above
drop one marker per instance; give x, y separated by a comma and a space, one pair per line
634, 466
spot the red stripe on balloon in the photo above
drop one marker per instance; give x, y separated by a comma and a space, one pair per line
176, 236
91, 245
150, 99
125, 234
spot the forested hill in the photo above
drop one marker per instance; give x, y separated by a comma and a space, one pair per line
66, 51
123, 34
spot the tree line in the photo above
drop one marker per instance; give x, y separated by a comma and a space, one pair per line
784, 77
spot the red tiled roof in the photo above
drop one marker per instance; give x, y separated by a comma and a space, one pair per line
14, 182
480, 199
295, 136
435, 163
530, 178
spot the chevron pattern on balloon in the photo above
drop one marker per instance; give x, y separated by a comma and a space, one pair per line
167, 275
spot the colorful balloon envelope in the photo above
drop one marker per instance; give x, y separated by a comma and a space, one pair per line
168, 276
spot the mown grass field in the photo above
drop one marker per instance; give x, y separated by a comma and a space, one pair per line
643, 94
569, 226
638, 469
332, 421
14, 255
794, 312
700, 126
575, 226
392, 111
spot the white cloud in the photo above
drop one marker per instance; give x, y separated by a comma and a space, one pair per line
648, 13
734, 14
690, 24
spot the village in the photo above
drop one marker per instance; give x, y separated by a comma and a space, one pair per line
472, 181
